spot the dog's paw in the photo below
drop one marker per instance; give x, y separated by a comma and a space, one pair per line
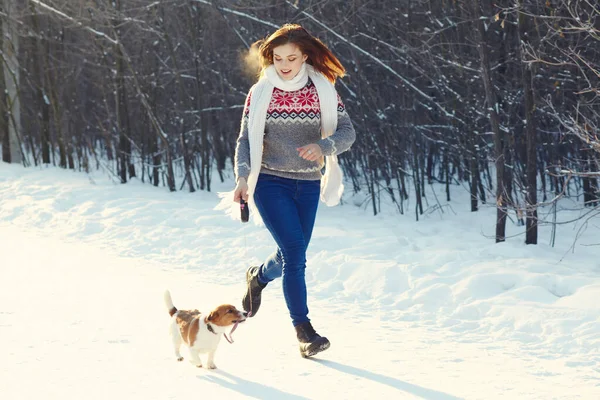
179, 358
196, 362
211, 366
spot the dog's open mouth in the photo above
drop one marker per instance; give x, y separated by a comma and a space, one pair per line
235, 325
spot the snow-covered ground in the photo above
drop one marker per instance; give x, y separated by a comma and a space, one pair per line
417, 310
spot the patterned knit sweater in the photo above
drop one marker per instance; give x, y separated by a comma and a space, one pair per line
293, 120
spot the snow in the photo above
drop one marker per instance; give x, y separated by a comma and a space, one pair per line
414, 310
74, 21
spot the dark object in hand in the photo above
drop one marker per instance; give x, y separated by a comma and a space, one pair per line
244, 211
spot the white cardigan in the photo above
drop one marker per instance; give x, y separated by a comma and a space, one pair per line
331, 183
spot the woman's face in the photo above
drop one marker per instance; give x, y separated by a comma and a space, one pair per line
288, 60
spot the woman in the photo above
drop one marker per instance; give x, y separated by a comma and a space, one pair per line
293, 121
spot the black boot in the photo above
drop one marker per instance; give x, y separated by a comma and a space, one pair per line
251, 300
311, 342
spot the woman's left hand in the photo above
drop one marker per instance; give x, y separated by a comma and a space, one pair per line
310, 152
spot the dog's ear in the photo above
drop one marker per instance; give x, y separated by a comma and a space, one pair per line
213, 314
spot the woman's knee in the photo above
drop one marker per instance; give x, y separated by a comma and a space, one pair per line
293, 269
294, 257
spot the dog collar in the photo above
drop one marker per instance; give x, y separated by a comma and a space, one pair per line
210, 328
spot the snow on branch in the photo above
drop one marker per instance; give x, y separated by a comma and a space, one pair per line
208, 109
588, 174
378, 61
238, 13
73, 20
586, 130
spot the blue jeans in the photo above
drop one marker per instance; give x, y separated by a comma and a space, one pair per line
288, 208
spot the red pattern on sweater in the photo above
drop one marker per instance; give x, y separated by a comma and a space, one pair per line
296, 104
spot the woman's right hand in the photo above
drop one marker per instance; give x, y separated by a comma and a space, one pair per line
241, 190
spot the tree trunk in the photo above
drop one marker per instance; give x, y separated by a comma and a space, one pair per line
42, 93
187, 156
10, 48
473, 171
121, 117
531, 226
446, 167
417, 182
590, 184
124, 128
474, 166
4, 139
492, 106
59, 122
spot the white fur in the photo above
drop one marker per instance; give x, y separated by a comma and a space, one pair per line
206, 342
168, 300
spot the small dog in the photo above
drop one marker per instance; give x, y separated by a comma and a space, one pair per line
201, 333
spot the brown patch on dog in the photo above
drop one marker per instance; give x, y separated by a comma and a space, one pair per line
189, 324
225, 315
172, 311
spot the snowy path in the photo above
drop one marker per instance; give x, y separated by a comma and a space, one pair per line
81, 312
78, 322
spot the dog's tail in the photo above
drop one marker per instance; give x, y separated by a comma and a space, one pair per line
169, 303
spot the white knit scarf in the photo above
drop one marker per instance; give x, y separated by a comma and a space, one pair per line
331, 183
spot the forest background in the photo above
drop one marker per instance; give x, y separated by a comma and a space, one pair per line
496, 97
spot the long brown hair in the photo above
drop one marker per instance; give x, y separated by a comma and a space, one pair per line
319, 56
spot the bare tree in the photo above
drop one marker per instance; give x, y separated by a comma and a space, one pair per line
11, 67
531, 231
492, 110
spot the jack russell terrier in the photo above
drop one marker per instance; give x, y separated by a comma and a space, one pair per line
201, 333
